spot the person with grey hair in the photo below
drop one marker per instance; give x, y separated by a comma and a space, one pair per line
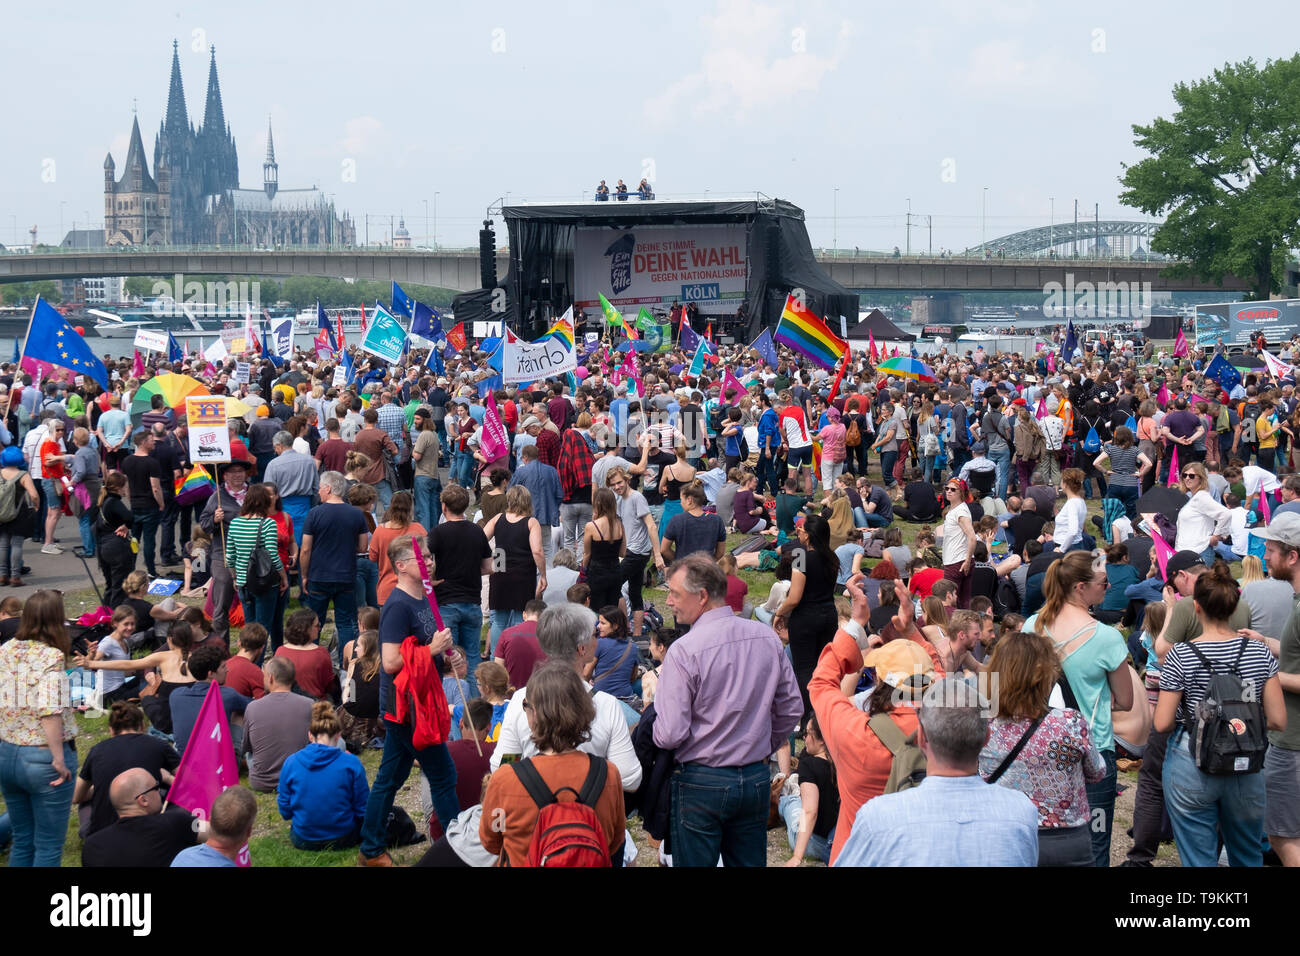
275, 725
334, 533
295, 476
727, 699
952, 818
567, 632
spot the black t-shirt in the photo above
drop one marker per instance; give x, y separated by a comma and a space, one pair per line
400, 617
1025, 527
334, 529
819, 580
168, 456
138, 470
114, 755
143, 613
691, 534
817, 771
149, 841
9, 628
1041, 563
458, 549
922, 499
884, 504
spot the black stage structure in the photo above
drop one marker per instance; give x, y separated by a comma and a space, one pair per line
540, 283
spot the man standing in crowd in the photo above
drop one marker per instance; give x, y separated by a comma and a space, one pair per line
296, 480
144, 475
373, 442
334, 533
461, 556
727, 699
543, 484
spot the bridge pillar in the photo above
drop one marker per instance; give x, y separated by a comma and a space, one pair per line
942, 308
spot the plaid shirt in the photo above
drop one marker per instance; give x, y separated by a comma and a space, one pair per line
392, 419
548, 448
576, 463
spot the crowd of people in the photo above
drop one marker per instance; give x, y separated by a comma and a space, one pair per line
889, 622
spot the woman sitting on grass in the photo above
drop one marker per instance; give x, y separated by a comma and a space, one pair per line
323, 790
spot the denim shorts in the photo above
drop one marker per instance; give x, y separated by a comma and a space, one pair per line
53, 489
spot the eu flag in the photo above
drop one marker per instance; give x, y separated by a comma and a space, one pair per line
688, 338
763, 346
51, 339
323, 320
1071, 343
402, 303
425, 322
1223, 372
174, 351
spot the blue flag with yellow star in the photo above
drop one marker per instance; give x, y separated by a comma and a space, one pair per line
51, 339
174, 351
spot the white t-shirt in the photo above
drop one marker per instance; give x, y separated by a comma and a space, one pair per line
1069, 523
954, 538
1256, 478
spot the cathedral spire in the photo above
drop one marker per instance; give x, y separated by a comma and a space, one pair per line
177, 117
270, 169
136, 164
214, 117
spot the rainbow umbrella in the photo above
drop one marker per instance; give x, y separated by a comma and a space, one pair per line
904, 366
172, 387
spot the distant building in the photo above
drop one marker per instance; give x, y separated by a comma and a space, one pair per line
194, 195
401, 238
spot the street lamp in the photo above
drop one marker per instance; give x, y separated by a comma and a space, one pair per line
984, 203
835, 221
1051, 230
426, 221
435, 221
909, 226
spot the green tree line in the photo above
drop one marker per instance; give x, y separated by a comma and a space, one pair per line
302, 292
25, 293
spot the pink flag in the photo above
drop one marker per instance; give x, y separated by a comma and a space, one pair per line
1162, 396
1163, 553
1180, 345
210, 371
1173, 468
1264, 509
137, 369
729, 383
1041, 411
208, 766
1051, 361
872, 352
44, 371
494, 442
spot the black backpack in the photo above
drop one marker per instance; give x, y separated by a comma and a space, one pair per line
1227, 731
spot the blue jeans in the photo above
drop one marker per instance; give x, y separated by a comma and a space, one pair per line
144, 526
384, 490
791, 807
887, 459
1101, 796
11, 556
394, 768
367, 583
1127, 494
860, 517
344, 597
874, 520
87, 529
426, 500
261, 608
1220, 550
1003, 460
37, 811
767, 473
296, 507
466, 623
1201, 807
500, 620
720, 810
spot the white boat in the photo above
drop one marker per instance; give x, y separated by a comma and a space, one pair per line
112, 326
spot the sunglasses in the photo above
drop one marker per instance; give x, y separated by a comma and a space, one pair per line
156, 786
1190, 474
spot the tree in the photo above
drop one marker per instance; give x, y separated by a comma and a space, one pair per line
1225, 173
138, 286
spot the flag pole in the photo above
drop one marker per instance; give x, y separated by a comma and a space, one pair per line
217, 481
21, 355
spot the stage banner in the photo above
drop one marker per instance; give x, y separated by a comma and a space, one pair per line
385, 336
533, 361
209, 433
661, 265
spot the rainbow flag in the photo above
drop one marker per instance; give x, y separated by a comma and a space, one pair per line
805, 333
614, 317
562, 329
194, 487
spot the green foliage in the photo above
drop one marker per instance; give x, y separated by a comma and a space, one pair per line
25, 293
304, 291
1225, 173
138, 286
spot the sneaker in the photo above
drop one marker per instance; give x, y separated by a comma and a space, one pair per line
51, 549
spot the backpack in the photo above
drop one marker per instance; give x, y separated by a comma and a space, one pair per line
1249, 411
1006, 599
261, 575
853, 437
569, 833
1226, 734
907, 769
10, 490
1091, 441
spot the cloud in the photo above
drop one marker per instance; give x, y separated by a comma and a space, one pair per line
361, 134
1002, 65
753, 59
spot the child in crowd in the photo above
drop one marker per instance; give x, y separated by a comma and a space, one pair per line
1153, 624
11, 612
1235, 549
737, 589
660, 641
195, 553
114, 648
1120, 576
244, 670
359, 713
494, 686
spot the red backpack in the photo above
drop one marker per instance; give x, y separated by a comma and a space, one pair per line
568, 833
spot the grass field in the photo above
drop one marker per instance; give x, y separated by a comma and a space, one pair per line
270, 845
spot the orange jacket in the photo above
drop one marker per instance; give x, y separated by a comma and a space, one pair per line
862, 761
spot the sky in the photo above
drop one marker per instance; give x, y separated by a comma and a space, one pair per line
437, 111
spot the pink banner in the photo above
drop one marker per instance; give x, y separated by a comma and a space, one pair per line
730, 383
208, 767
1163, 554
494, 441
137, 367
1173, 467
1264, 509
1162, 397
1180, 345
44, 371
1051, 361
1041, 411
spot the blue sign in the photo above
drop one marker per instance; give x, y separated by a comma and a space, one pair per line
701, 292
385, 336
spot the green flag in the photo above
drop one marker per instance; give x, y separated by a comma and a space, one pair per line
644, 319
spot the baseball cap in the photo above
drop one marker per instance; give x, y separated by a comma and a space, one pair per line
979, 448
1285, 528
1181, 561
900, 663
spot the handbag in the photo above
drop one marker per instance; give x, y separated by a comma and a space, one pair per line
261, 575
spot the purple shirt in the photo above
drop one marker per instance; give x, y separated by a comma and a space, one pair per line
727, 694
1182, 424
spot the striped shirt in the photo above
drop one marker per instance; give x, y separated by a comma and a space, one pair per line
1183, 671
243, 536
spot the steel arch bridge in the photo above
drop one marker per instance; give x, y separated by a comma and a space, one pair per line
1084, 233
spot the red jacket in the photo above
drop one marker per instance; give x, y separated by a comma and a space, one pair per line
418, 700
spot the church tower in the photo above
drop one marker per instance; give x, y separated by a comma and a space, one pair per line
136, 209
220, 166
174, 148
270, 170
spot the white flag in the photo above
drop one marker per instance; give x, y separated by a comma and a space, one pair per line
215, 352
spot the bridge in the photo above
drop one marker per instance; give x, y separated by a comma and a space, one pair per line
1104, 237
459, 270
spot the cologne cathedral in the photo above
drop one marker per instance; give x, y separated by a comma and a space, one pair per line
193, 196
